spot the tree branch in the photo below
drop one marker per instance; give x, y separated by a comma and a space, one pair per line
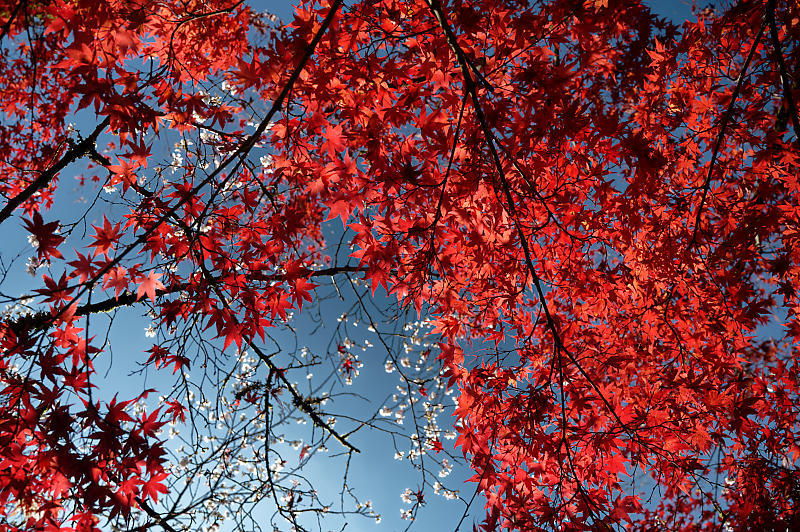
721, 135
511, 208
298, 399
784, 74
154, 515
75, 152
239, 153
43, 319
11, 18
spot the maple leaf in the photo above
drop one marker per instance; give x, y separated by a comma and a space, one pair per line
437, 445
248, 74
56, 292
176, 411
147, 285
150, 424
59, 484
334, 140
279, 304
340, 208
377, 278
82, 267
116, 412
158, 354
45, 237
124, 172
615, 464
139, 153
231, 330
301, 291
106, 237
116, 278
154, 485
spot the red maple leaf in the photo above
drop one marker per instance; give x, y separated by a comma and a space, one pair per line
45, 238
105, 237
150, 424
437, 445
301, 291
124, 172
334, 140
176, 411
148, 285
83, 269
154, 485
139, 153
116, 278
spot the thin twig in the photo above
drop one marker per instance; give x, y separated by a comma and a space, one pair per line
11, 18
75, 152
154, 515
787, 85
43, 319
721, 135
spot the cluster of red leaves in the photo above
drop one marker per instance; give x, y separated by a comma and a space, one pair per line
66, 460
599, 211
97, 455
590, 193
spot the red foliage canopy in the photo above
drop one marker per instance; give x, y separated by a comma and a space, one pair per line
609, 202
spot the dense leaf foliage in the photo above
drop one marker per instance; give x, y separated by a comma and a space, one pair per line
596, 209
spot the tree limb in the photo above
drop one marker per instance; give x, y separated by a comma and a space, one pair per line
721, 135
75, 152
11, 18
43, 319
787, 85
154, 515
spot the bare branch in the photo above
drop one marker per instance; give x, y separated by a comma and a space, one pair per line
75, 152
43, 319
787, 84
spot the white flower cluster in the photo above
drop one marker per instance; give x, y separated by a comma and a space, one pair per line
17, 310
439, 489
447, 467
238, 454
